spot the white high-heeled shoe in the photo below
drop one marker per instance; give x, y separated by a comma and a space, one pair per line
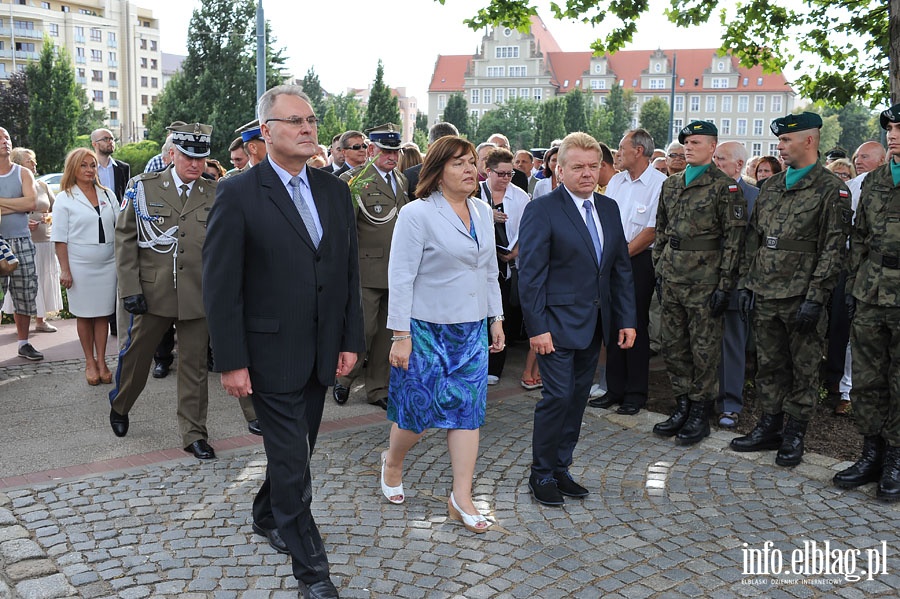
390, 493
477, 523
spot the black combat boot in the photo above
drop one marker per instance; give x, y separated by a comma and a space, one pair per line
889, 485
765, 435
696, 428
791, 451
867, 468
671, 426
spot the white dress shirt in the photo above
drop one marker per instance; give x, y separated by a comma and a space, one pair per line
637, 199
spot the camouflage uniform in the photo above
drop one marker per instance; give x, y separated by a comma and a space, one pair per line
699, 231
874, 280
795, 245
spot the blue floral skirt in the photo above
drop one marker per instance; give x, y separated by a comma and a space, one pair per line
446, 384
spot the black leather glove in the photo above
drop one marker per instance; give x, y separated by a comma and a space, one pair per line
850, 303
136, 304
659, 288
745, 303
808, 316
718, 301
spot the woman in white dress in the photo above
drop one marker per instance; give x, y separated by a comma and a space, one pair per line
84, 224
49, 297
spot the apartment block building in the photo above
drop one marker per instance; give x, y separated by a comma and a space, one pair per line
114, 46
510, 64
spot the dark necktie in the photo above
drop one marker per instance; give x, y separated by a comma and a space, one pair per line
183, 196
387, 178
592, 228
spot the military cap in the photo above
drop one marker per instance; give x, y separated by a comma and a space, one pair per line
386, 136
836, 153
538, 153
891, 115
249, 131
796, 122
191, 139
697, 128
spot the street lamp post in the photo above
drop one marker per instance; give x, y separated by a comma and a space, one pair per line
260, 51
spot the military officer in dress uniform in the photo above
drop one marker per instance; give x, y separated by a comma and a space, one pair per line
254, 144
873, 304
380, 198
700, 225
159, 238
796, 242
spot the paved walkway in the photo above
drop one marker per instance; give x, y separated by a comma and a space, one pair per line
662, 521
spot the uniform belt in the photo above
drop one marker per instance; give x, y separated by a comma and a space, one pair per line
694, 245
883, 260
791, 245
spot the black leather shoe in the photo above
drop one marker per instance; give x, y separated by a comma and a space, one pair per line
671, 425
568, 487
119, 423
867, 468
161, 370
628, 409
696, 427
274, 538
254, 428
201, 450
889, 483
605, 402
790, 453
381, 403
545, 491
341, 394
324, 589
765, 435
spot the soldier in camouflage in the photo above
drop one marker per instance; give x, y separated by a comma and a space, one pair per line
796, 241
700, 225
873, 304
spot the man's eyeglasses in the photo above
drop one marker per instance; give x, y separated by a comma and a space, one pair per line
107, 138
673, 155
296, 121
357, 147
503, 174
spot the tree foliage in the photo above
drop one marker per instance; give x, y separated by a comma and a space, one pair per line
620, 103
312, 87
856, 125
842, 48
382, 107
514, 119
89, 118
53, 106
14, 108
215, 85
137, 154
342, 113
550, 123
599, 124
655, 119
577, 108
457, 112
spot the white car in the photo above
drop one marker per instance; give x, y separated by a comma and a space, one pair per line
52, 180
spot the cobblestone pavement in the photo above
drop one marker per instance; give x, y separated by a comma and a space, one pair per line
662, 521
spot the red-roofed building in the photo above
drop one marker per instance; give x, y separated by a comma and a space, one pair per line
509, 64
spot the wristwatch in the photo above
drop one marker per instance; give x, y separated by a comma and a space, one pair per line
494, 319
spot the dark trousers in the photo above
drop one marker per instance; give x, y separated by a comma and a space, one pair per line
291, 424
163, 353
567, 376
838, 334
511, 327
628, 370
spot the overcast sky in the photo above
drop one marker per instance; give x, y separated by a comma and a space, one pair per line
344, 39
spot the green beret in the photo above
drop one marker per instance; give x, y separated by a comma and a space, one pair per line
796, 122
697, 128
891, 115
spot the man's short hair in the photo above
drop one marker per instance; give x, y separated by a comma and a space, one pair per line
577, 140
501, 136
264, 106
483, 145
348, 135
236, 144
336, 138
641, 138
498, 156
169, 144
526, 152
606, 154
441, 129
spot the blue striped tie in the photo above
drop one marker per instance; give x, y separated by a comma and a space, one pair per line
592, 229
303, 208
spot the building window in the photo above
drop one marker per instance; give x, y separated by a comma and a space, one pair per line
154, 82
54, 30
113, 116
96, 36
598, 69
743, 103
96, 56
45, 5
498, 95
475, 96
506, 52
710, 103
520, 71
759, 103
725, 128
511, 93
757, 127
113, 96
658, 83
678, 124
598, 83
488, 96
98, 95
720, 66
26, 25
473, 113
152, 42
679, 103
496, 71
442, 99
525, 92
112, 76
776, 104
759, 80
96, 75
79, 54
773, 148
695, 103
537, 94
144, 100
720, 82
153, 64
657, 67
741, 127
111, 38
726, 103
143, 44
143, 62
144, 82
64, 8
757, 149
24, 47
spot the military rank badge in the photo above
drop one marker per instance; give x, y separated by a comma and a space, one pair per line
738, 210
846, 216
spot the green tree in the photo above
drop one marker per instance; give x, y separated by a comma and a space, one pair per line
599, 125
14, 108
89, 118
655, 119
421, 122
621, 104
457, 112
382, 107
214, 85
856, 127
758, 32
550, 123
514, 119
313, 88
576, 110
53, 105
137, 154
420, 138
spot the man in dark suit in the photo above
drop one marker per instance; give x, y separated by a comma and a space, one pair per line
112, 173
281, 286
337, 156
577, 292
437, 131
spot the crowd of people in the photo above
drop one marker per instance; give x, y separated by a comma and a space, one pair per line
374, 263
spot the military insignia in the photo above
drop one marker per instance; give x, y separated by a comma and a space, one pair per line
124, 203
166, 184
733, 188
846, 216
200, 189
160, 220
738, 212
152, 205
377, 209
843, 193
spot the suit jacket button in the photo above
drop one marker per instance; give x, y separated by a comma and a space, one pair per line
320, 288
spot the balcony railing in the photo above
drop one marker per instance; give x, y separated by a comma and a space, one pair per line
29, 33
113, 103
114, 83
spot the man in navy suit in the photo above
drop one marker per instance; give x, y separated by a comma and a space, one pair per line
282, 294
577, 292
